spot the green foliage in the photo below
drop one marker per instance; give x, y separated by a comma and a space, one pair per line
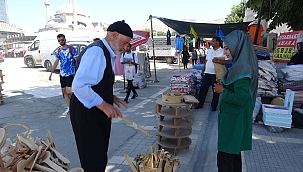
147, 30
279, 12
237, 14
174, 33
161, 33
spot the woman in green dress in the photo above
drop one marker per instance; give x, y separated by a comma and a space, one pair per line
238, 88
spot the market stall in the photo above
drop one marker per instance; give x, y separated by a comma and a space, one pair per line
276, 76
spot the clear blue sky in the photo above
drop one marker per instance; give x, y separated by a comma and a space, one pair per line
30, 14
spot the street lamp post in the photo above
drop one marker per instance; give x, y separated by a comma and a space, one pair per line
152, 37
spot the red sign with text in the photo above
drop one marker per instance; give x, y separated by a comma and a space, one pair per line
286, 45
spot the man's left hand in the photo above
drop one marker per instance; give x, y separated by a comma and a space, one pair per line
118, 101
215, 60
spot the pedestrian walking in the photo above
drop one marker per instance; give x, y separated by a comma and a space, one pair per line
130, 61
194, 56
238, 89
185, 57
92, 102
66, 54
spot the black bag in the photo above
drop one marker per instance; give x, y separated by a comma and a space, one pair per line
297, 119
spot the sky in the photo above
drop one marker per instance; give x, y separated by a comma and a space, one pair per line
30, 15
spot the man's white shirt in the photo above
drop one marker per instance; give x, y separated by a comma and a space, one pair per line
211, 53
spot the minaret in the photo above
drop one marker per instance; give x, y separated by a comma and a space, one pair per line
75, 15
47, 4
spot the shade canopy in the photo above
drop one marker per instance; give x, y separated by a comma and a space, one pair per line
203, 30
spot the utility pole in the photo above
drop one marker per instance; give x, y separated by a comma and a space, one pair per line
259, 21
152, 38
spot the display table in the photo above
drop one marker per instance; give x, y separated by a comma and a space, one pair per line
174, 125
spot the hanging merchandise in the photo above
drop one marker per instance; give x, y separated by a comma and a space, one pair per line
252, 29
198, 43
190, 45
179, 42
220, 33
168, 35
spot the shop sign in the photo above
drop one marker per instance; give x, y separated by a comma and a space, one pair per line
286, 45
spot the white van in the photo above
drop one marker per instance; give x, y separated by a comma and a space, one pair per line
46, 42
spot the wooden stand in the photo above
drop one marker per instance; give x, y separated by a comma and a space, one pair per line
1, 82
174, 125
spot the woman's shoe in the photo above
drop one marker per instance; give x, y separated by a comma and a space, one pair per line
126, 100
134, 96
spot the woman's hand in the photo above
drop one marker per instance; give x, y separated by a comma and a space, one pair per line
218, 87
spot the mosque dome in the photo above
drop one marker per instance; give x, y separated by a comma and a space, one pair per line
55, 22
68, 9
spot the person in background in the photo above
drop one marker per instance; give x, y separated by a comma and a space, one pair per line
128, 58
66, 54
194, 56
209, 75
298, 57
92, 102
185, 57
238, 88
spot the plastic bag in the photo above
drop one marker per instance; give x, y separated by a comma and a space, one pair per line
257, 107
129, 72
139, 80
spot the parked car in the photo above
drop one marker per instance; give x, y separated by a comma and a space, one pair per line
49, 59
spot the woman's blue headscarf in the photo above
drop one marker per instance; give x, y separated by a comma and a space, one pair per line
244, 63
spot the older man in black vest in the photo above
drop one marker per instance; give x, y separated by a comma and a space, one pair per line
91, 107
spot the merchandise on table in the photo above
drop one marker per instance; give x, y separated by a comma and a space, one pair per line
198, 66
197, 76
182, 83
267, 84
293, 79
293, 72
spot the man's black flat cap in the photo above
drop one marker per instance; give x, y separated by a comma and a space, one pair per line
121, 27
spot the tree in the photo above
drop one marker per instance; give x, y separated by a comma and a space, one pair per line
147, 30
237, 14
174, 33
161, 33
280, 12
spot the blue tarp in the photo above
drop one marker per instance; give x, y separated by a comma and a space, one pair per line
261, 53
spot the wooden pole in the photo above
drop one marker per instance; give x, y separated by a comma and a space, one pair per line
152, 37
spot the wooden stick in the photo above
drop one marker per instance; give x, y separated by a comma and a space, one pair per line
130, 163
136, 126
